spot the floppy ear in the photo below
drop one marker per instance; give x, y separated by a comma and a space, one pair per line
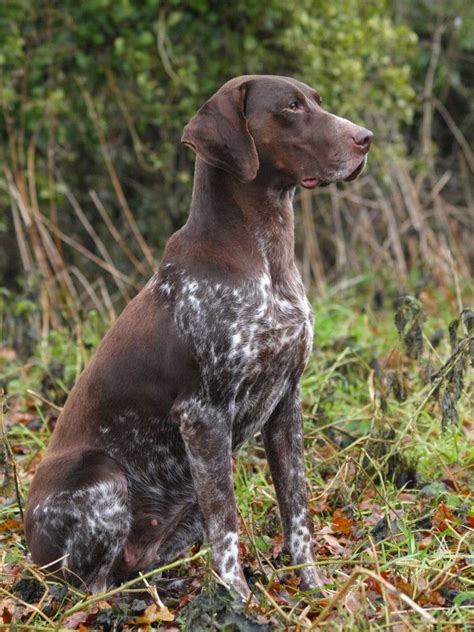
219, 134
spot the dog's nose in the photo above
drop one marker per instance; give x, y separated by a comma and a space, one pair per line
362, 138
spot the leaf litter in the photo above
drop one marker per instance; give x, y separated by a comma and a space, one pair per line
389, 434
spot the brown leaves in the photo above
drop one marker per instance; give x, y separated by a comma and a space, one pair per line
10, 525
425, 542
154, 613
341, 523
76, 620
79, 620
277, 545
443, 517
356, 599
329, 545
7, 615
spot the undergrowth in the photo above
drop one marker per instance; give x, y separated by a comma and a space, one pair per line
389, 434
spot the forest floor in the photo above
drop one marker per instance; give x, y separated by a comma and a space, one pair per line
391, 486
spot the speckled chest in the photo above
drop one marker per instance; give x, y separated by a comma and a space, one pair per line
251, 340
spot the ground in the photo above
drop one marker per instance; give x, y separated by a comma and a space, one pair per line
389, 432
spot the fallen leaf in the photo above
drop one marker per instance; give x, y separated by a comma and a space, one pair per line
9, 525
6, 615
403, 585
425, 542
277, 546
437, 599
185, 599
333, 544
341, 523
442, 517
70, 623
279, 594
407, 497
76, 619
433, 598
153, 613
374, 585
375, 517
355, 600
326, 451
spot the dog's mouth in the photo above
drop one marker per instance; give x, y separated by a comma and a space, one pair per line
311, 183
357, 171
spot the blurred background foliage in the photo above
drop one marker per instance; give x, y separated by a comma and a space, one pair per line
94, 96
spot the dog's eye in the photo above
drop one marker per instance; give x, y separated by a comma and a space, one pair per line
293, 106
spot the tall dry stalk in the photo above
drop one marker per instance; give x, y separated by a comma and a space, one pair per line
390, 224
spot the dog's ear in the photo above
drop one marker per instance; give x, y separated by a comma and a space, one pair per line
219, 134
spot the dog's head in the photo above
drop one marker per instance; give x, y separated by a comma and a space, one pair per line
276, 126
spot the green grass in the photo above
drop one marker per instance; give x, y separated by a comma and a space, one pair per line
391, 492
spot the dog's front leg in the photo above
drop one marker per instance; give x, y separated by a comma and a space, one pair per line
283, 440
208, 439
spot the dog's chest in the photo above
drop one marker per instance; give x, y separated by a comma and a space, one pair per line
251, 341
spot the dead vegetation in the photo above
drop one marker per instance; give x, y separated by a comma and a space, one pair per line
391, 488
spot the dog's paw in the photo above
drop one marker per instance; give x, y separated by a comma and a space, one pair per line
311, 579
236, 583
239, 585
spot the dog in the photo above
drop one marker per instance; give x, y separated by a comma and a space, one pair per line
209, 353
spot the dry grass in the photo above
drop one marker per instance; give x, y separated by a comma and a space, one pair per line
391, 490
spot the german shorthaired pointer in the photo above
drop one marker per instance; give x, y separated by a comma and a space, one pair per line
210, 352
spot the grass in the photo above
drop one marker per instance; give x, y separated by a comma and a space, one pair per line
391, 492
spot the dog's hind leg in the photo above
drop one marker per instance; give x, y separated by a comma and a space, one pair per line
81, 526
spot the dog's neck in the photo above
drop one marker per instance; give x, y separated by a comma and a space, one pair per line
256, 216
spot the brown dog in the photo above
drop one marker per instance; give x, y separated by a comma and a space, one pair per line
210, 352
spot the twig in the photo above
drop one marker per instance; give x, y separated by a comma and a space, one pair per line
311, 244
115, 181
106, 594
115, 233
359, 570
29, 605
384, 593
341, 249
153, 592
456, 132
99, 244
89, 291
278, 608
456, 280
44, 400
87, 253
425, 132
5, 487
160, 44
